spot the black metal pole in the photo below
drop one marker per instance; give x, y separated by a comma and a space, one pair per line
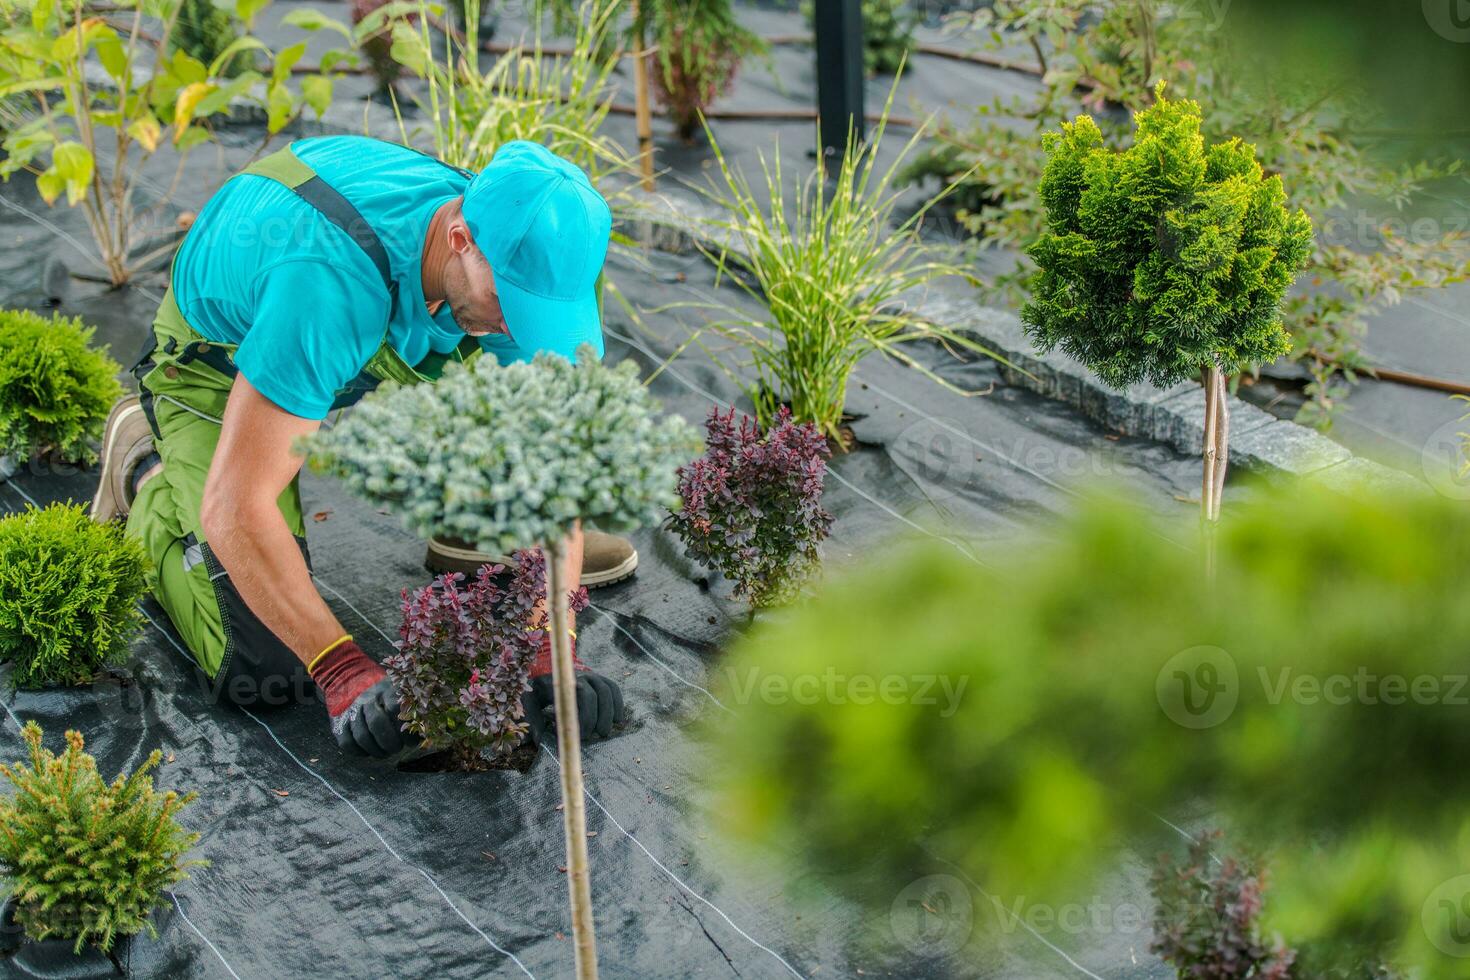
839, 36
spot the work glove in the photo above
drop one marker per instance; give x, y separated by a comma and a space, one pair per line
362, 704
599, 699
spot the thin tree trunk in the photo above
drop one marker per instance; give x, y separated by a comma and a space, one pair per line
1207, 507
644, 115
1222, 439
569, 751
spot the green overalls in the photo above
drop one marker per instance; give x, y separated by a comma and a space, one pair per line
184, 381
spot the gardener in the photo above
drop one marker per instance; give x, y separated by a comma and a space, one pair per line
323, 269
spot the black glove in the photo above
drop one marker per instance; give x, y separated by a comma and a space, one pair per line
599, 706
370, 725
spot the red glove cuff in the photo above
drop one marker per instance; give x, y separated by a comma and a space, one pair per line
541, 666
343, 672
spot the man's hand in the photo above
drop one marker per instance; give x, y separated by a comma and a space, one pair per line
599, 699
361, 701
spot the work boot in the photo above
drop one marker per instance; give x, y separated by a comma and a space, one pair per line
127, 441
606, 558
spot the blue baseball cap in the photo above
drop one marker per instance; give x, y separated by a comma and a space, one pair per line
544, 229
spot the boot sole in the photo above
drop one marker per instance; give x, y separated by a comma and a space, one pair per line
105, 499
442, 558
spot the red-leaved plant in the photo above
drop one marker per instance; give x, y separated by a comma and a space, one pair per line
752, 504
465, 656
1205, 920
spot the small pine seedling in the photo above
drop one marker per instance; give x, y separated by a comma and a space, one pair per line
88, 860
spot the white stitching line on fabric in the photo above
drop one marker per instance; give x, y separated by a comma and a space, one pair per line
333, 790
675, 878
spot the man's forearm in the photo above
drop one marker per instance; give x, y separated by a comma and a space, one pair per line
265, 564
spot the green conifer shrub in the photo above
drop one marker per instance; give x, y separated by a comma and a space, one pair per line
515, 456
86, 859
68, 593
1165, 260
55, 389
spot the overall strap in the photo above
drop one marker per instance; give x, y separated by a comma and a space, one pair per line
286, 169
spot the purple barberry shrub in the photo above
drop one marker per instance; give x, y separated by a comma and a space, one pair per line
753, 504
465, 653
1205, 920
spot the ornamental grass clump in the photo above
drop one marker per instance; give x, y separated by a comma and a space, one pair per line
1165, 261
752, 505
55, 388
465, 654
836, 274
515, 456
88, 860
69, 589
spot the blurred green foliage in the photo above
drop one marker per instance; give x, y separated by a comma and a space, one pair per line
1313, 698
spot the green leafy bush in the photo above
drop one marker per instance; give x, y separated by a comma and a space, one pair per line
1166, 258
68, 593
55, 389
511, 456
86, 859
1313, 698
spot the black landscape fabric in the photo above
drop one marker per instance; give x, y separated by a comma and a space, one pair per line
325, 866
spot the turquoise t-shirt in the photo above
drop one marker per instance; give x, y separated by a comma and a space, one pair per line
263, 269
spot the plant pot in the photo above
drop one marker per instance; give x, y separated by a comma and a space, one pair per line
53, 959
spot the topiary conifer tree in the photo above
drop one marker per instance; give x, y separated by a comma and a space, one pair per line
515, 456
1164, 261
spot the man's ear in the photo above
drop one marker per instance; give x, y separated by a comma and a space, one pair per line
459, 237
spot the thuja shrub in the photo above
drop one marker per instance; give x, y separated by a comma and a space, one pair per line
88, 860
465, 654
1165, 258
752, 504
68, 593
509, 456
55, 388
1205, 918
